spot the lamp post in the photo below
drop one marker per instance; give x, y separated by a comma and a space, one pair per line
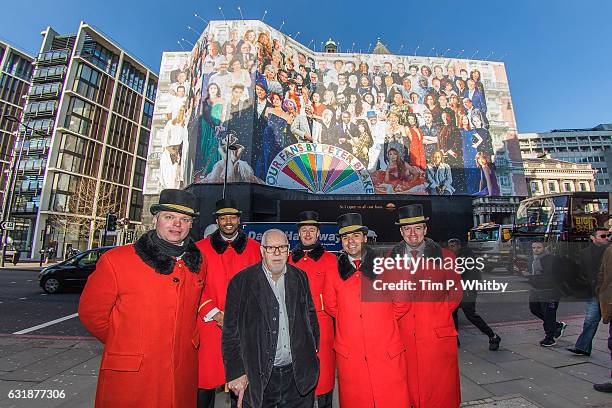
230, 144
12, 179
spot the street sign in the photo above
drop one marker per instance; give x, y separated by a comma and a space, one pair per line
7, 225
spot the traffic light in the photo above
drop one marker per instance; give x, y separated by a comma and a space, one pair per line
111, 222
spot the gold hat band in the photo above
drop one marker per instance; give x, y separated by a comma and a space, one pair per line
228, 210
308, 222
349, 229
179, 207
411, 220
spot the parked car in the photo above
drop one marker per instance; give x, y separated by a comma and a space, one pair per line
71, 273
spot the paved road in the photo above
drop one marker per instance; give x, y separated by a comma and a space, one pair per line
25, 305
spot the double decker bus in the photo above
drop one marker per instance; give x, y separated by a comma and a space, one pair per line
562, 221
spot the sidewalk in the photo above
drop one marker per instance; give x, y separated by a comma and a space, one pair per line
26, 266
520, 374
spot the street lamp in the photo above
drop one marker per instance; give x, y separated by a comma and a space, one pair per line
12, 179
230, 144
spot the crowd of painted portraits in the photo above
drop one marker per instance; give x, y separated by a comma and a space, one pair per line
417, 128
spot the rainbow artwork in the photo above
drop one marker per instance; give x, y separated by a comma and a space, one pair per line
319, 169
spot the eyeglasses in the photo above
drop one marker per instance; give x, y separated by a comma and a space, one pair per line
272, 249
602, 236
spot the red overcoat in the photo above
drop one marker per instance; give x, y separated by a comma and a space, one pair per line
369, 349
317, 264
147, 322
430, 336
224, 261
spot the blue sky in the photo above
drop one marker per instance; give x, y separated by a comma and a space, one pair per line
557, 54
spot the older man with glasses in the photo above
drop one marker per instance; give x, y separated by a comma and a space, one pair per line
271, 334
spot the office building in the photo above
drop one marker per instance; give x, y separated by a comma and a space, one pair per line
593, 146
546, 175
16, 68
87, 125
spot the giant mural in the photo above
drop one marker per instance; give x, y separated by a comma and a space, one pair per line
272, 111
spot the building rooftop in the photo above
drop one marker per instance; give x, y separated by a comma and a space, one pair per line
600, 127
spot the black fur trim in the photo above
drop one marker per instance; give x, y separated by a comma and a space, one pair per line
220, 245
164, 264
315, 253
346, 268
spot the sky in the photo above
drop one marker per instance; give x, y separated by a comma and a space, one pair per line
557, 53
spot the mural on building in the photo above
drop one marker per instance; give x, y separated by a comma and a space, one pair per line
283, 115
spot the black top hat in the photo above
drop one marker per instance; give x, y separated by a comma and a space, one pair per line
308, 218
411, 214
226, 206
349, 223
175, 200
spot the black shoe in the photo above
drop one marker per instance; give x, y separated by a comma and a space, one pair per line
494, 343
605, 387
548, 342
560, 329
578, 351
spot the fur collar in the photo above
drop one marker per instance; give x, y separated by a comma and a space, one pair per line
220, 245
315, 253
432, 249
346, 269
164, 264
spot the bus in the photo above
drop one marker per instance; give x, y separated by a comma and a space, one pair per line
492, 242
562, 221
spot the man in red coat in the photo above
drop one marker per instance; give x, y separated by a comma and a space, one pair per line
311, 257
369, 349
428, 330
227, 251
141, 302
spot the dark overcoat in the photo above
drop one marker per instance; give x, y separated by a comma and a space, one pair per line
250, 330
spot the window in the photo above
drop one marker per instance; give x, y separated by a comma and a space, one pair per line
143, 143
19, 66
78, 155
552, 187
117, 166
147, 115
99, 56
92, 84
136, 204
85, 118
139, 173
122, 134
132, 77
535, 187
127, 103
151, 89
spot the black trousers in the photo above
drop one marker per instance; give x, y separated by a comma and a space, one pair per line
468, 305
206, 398
281, 392
545, 309
325, 400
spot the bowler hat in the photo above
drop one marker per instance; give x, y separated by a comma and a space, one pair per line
175, 200
349, 223
226, 206
308, 218
411, 214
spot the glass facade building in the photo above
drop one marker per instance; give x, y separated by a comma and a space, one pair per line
16, 69
88, 105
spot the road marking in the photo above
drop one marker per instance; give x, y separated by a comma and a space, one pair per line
52, 322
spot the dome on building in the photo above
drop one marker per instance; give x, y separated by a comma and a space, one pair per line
331, 46
380, 48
